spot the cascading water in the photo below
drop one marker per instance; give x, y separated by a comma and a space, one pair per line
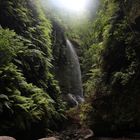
68, 73
74, 72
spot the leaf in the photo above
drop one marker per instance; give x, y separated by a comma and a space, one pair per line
18, 61
7, 104
5, 97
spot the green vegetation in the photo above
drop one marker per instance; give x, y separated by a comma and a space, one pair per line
29, 94
31, 48
112, 81
109, 54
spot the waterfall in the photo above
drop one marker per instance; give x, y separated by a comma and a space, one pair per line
68, 73
74, 73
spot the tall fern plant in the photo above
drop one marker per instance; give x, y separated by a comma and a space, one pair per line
21, 103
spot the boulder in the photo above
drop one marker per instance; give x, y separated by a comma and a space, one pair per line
6, 138
50, 138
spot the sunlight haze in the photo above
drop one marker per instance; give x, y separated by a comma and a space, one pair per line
71, 5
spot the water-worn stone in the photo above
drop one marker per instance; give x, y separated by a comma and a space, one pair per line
88, 134
50, 138
6, 138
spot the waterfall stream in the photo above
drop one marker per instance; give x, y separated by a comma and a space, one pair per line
68, 73
74, 73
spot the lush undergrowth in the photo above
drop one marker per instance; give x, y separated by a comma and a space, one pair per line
109, 54
31, 48
112, 81
29, 94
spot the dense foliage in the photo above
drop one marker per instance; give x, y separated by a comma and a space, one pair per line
113, 59
108, 46
29, 95
32, 47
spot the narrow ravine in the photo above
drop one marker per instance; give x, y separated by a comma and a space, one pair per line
70, 69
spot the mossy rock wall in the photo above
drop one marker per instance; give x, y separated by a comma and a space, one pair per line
116, 101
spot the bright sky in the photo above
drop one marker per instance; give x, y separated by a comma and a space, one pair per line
71, 5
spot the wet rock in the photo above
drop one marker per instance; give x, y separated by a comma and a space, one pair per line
86, 134
6, 138
50, 138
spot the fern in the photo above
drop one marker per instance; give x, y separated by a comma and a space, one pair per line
10, 44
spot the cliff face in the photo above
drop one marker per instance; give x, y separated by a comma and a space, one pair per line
29, 93
116, 101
